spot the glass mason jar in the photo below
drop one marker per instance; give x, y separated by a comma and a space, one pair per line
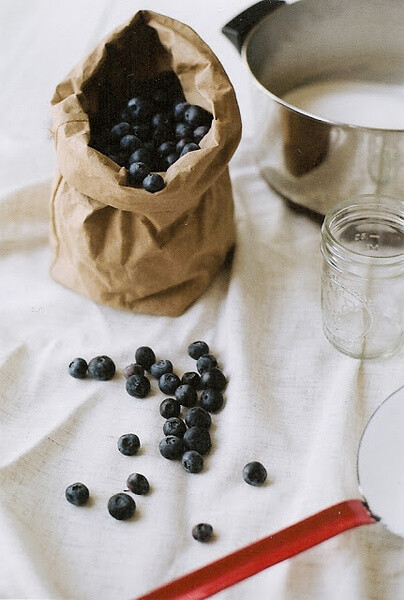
362, 288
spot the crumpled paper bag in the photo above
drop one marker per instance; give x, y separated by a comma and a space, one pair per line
119, 245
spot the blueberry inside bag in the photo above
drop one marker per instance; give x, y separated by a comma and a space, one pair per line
142, 206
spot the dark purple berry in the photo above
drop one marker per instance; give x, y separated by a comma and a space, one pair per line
128, 444
142, 155
145, 356
137, 484
181, 143
191, 147
196, 116
168, 383
170, 407
206, 362
78, 368
198, 417
202, 532
153, 183
211, 400
159, 368
184, 131
101, 368
197, 438
192, 461
191, 378
254, 473
140, 109
214, 379
142, 131
166, 148
171, 159
179, 110
133, 369
186, 395
121, 506
130, 143
119, 130
162, 119
171, 447
200, 133
137, 172
174, 426
77, 494
138, 386
196, 349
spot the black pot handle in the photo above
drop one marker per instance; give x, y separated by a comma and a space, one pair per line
238, 28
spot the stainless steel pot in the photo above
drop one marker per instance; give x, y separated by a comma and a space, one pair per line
310, 159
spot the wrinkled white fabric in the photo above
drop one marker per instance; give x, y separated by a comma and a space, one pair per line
292, 401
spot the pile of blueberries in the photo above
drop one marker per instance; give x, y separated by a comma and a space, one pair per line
152, 130
187, 439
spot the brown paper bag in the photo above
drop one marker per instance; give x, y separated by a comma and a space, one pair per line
123, 246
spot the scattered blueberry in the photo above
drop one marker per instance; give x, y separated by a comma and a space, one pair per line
214, 379
121, 506
196, 349
170, 159
211, 400
174, 426
139, 109
101, 368
78, 368
142, 131
159, 368
254, 473
77, 494
181, 143
191, 147
130, 143
142, 155
186, 395
137, 483
198, 417
170, 407
138, 386
206, 362
145, 356
184, 131
171, 447
179, 110
133, 369
119, 130
196, 116
128, 444
166, 148
202, 532
153, 183
197, 438
191, 378
192, 461
200, 133
168, 383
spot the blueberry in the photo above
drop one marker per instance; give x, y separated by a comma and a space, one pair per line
179, 110
206, 362
153, 183
133, 369
140, 109
202, 532
171, 447
142, 155
137, 483
197, 438
191, 378
200, 133
142, 131
184, 131
174, 426
137, 386
196, 349
181, 143
145, 356
101, 368
170, 407
78, 368
186, 395
198, 417
77, 494
119, 130
191, 147
130, 143
128, 444
171, 159
159, 368
119, 159
121, 506
211, 400
196, 116
137, 172
166, 148
162, 119
192, 461
214, 379
254, 473
168, 383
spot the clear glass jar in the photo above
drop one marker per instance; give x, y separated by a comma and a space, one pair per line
362, 288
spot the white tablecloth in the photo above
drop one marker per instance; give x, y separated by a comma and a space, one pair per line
292, 401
